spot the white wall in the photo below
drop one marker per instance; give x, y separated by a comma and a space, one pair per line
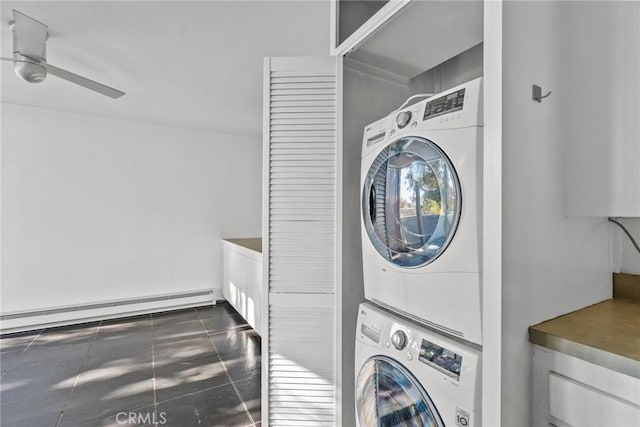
460, 69
97, 209
552, 264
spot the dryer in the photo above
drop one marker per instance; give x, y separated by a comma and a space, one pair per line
408, 375
421, 206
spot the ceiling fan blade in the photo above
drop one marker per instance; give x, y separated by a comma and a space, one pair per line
84, 82
29, 36
6, 59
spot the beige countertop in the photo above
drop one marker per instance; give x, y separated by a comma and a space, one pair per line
607, 333
255, 244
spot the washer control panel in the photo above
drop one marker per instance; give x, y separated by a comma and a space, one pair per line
447, 367
439, 357
413, 343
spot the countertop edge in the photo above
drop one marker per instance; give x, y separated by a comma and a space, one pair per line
252, 244
615, 362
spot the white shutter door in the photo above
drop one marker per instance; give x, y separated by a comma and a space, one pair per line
300, 141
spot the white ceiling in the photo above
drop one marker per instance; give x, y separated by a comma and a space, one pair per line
191, 64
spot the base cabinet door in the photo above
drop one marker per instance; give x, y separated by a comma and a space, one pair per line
568, 391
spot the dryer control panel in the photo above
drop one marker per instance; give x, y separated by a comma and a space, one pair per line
445, 104
455, 108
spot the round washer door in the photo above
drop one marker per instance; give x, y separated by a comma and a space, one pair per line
411, 202
388, 395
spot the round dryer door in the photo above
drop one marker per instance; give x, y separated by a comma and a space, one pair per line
388, 395
411, 202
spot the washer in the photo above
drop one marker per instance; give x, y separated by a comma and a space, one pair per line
408, 375
421, 211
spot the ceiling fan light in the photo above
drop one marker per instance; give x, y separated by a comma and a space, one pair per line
30, 71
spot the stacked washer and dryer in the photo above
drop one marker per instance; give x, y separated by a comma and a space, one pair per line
418, 337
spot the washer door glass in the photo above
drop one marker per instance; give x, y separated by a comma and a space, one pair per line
388, 395
411, 202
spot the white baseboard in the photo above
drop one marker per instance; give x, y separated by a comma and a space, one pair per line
69, 315
218, 295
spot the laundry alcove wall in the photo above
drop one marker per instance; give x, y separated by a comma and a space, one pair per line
364, 92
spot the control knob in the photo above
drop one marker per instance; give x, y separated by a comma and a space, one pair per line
399, 339
402, 119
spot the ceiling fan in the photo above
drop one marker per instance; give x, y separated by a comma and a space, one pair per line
30, 52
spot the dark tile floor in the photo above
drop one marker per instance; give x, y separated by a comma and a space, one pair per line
193, 367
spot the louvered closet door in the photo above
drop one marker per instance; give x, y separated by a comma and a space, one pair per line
300, 148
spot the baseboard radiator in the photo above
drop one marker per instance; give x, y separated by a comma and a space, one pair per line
74, 314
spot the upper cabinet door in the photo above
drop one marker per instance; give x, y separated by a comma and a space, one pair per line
600, 108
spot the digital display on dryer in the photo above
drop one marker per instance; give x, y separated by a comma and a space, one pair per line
441, 358
445, 104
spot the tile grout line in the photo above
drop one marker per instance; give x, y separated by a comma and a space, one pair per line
244, 405
224, 366
153, 371
233, 384
193, 393
75, 381
23, 351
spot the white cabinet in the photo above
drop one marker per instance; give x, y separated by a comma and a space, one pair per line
568, 391
599, 97
242, 282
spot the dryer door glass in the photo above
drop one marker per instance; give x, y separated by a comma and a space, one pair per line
388, 395
411, 202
